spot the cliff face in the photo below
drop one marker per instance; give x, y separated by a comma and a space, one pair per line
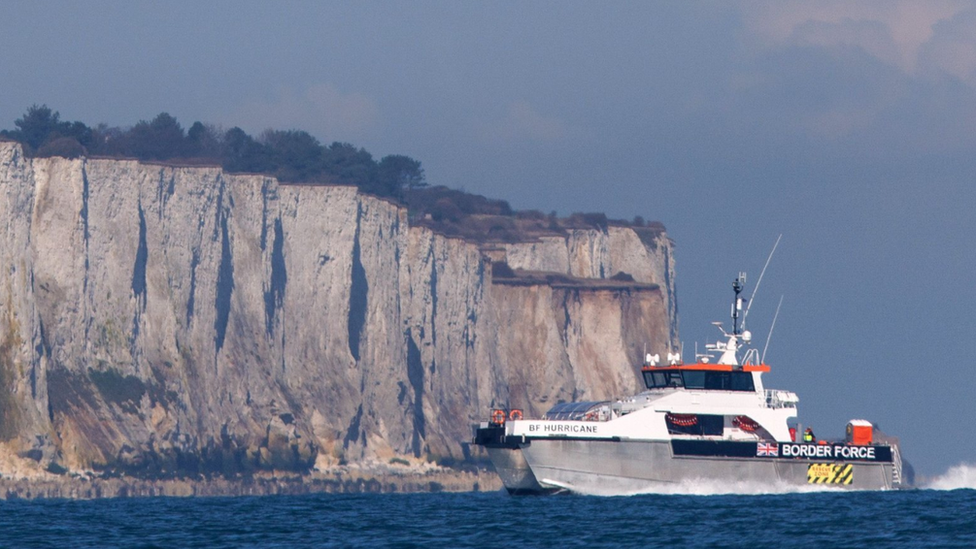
165, 319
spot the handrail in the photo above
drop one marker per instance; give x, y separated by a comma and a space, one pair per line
751, 357
776, 398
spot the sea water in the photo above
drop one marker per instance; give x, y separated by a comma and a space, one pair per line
940, 514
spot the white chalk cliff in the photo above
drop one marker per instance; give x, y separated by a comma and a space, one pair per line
164, 320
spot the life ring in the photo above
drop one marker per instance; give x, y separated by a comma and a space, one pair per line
515, 414
682, 420
745, 423
498, 417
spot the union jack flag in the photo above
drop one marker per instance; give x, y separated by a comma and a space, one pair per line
767, 449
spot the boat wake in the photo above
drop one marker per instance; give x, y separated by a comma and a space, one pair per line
958, 477
701, 487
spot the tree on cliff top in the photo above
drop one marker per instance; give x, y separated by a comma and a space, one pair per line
203, 141
159, 139
241, 153
293, 156
41, 125
34, 127
402, 172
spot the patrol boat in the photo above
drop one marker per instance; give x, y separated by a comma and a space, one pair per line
708, 421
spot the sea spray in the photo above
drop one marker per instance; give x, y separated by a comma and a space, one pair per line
709, 487
958, 477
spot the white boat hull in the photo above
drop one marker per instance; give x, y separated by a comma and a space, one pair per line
631, 467
516, 475
598, 467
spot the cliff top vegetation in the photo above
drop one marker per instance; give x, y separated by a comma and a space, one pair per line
295, 156
479, 219
291, 156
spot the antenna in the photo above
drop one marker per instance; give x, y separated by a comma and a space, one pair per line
737, 302
758, 282
762, 360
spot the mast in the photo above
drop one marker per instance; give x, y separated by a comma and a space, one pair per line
737, 302
739, 335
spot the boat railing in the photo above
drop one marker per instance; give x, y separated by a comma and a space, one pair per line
897, 468
751, 357
580, 411
780, 399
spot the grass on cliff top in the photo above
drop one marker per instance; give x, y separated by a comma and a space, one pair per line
479, 219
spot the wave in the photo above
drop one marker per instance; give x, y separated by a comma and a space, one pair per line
958, 477
701, 487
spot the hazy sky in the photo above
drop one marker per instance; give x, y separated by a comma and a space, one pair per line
847, 127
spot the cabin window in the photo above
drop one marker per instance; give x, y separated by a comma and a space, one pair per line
660, 380
742, 381
674, 379
651, 379
694, 379
729, 381
700, 379
717, 381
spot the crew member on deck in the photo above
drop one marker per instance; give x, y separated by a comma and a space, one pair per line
808, 435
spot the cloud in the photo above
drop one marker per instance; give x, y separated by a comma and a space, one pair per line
952, 48
522, 122
874, 37
823, 92
895, 72
892, 30
321, 109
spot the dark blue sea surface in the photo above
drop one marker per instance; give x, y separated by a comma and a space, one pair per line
919, 518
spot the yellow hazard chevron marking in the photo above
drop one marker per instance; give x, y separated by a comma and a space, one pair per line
830, 473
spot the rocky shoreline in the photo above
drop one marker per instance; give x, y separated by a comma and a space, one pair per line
344, 480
